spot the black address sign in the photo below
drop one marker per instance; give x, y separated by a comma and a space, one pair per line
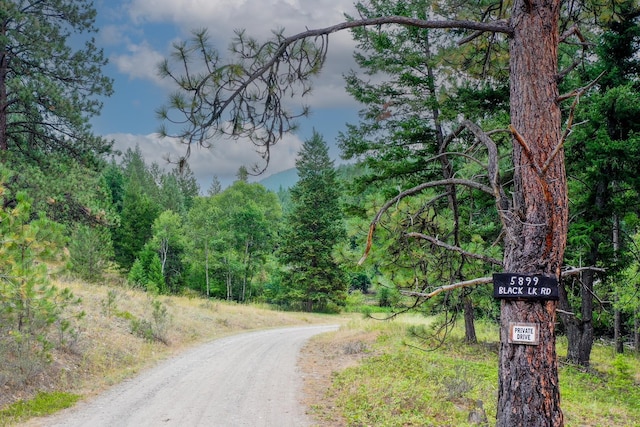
525, 286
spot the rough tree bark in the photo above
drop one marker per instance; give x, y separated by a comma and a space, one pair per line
579, 330
537, 227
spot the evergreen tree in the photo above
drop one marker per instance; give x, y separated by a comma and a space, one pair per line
402, 141
48, 90
312, 230
34, 315
602, 157
138, 214
90, 250
187, 183
215, 187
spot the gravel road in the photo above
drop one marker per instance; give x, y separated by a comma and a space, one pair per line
250, 379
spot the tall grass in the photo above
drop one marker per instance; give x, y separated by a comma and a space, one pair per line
400, 384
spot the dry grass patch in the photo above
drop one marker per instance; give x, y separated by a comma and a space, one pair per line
106, 348
323, 357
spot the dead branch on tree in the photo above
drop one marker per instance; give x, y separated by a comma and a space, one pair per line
574, 31
411, 192
573, 271
446, 288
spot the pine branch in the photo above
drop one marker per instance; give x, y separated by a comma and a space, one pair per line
410, 192
453, 248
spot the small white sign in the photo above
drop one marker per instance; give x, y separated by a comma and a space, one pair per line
524, 333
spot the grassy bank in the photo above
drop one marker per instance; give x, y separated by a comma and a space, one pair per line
396, 384
123, 331
368, 373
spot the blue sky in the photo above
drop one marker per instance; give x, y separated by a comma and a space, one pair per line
137, 34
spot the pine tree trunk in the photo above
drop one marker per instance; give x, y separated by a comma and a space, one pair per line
618, 337
469, 321
536, 229
580, 330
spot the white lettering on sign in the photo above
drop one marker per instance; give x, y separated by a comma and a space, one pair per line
523, 333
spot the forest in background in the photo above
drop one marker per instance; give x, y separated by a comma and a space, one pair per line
69, 200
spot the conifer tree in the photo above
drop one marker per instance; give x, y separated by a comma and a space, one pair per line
48, 90
602, 164
312, 229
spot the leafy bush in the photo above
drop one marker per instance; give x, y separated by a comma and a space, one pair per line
154, 329
90, 249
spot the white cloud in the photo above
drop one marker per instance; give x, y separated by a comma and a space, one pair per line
259, 18
223, 159
140, 61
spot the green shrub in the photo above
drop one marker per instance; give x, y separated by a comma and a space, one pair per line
35, 316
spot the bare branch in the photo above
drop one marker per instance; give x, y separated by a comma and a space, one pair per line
577, 93
449, 247
446, 288
493, 172
573, 271
575, 30
470, 38
527, 151
580, 91
492, 167
483, 281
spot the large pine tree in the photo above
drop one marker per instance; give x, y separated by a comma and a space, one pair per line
48, 89
312, 229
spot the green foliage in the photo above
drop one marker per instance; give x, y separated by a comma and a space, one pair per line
155, 279
34, 315
146, 272
110, 304
230, 237
155, 328
259, 112
139, 211
603, 151
43, 404
53, 87
397, 384
405, 386
90, 250
312, 278
168, 242
137, 275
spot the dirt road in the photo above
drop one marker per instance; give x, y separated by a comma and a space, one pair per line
250, 379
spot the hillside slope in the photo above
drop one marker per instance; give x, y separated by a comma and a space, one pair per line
110, 343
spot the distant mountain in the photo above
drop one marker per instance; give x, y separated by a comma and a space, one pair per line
285, 180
